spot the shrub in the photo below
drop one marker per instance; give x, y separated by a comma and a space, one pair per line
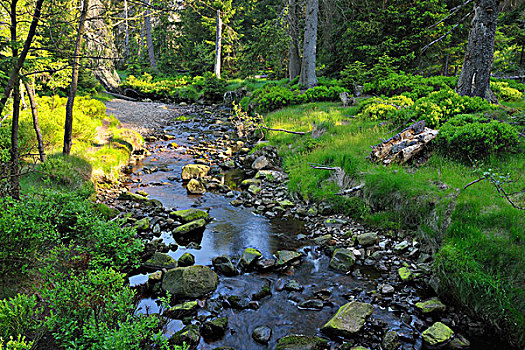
323, 93
505, 93
270, 98
471, 137
384, 109
211, 88
18, 315
413, 86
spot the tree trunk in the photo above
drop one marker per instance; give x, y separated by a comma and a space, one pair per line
218, 45
36, 123
14, 179
13, 78
308, 78
445, 65
294, 60
474, 79
68, 128
149, 39
126, 33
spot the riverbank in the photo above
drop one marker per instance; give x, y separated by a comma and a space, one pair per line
475, 235
391, 269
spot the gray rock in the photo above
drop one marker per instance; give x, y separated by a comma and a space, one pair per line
265, 264
224, 265
190, 282
160, 261
349, 319
190, 227
433, 305
262, 334
301, 342
322, 240
401, 247
312, 304
194, 171
239, 302
342, 260
387, 289
293, 286
260, 163
368, 238
286, 257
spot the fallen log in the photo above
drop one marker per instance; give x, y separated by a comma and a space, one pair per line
403, 146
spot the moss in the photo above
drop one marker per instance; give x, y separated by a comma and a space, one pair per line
301, 342
437, 334
405, 274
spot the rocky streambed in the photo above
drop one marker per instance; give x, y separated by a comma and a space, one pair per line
249, 266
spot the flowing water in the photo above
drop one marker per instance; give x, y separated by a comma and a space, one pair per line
235, 228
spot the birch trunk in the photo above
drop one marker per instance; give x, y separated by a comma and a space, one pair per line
308, 78
218, 45
474, 79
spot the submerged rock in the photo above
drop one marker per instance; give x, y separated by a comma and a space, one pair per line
262, 334
342, 260
437, 335
215, 329
311, 304
189, 215
349, 319
301, 342
190, 282
180, 311
194, 171
160, 261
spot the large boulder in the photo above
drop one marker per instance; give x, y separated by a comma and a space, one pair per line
301, 342
342, 260
349, 319
188, 215
437, 335
194, 171
190, 282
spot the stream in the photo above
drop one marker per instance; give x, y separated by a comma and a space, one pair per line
235, 228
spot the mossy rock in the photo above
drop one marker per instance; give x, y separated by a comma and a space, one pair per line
194, 171
249, 182
130, 196
437, 335
285, 257
188, 215
141, 225
189, 335
433, 305
190, 227
301, 342
190, 282
405, 274
253, 189
342, 260
180, 311
186, 259
248, 258
105, 211
195, 187
349, 319
160, 261
215, 329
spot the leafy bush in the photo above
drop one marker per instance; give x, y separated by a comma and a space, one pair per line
211, 88
468, 136
323, 93
505, 93
18, 343
384, 109
92, 308
413, 86
270, 98
18, 315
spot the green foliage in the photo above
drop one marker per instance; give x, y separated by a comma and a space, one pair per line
505, 93
211, 88
18, 343
470, 137
413, 86
18, 315
379, 109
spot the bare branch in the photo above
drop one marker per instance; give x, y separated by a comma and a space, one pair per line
446, 34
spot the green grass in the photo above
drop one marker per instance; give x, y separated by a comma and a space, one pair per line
480, 252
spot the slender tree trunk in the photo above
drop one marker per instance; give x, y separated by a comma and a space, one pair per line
474, 79
68, 128
126, 35
218, 45
521, 55
22, 96
445, 65
149, 39
294, 60
308, 78
36, 123
141, 44
13, 78
14, 180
